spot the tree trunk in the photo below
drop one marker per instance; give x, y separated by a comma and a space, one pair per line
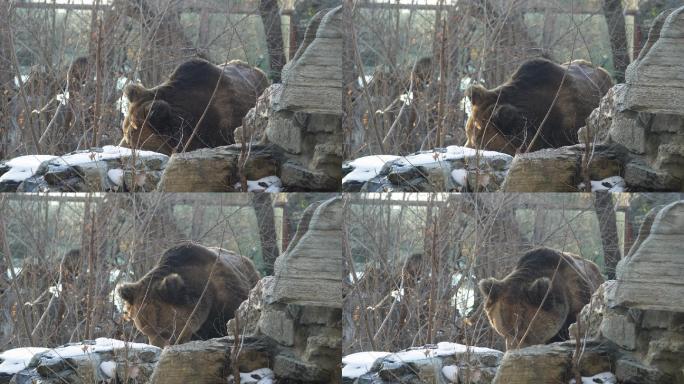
263, 208
612, 11
605, 212
270, 17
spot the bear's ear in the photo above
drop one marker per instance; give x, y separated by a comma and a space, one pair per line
172, 288
135, 92
490, 287
479, 95
128, 292
157, 114
538, 289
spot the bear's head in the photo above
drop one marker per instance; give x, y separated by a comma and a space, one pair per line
523, 312
149, 121
493, 124
161, 307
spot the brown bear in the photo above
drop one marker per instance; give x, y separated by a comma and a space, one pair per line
190, 294
506, 118
540, 298
163, 118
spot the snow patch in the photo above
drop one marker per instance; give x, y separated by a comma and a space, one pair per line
86, 348
258, 376
14, 360
116, 176
460, 176
601, 378
23, 167
609, 184
357, 364
367, 167
108, 152
451, 373
269, 184
108, 368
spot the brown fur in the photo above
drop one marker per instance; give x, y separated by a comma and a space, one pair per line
163, 118
506, 118
511, 303
162, 301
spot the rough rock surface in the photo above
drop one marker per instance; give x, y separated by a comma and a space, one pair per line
454, 168
299, 309
101, 360
196, 361
651, 276
105, 169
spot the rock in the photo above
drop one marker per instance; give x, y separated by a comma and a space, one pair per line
551, 363
201, 362
559, 169
441, 363
600, 119
650, 277
655, 81
100, 360
105, 169
298, 311
312, 80
304, 113
631, 371
309, 272
255, 122
217, 169
453, 168
620, 327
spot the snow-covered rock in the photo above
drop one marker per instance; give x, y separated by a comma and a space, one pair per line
601, 378
359, 363
14, 360
442, 363
110, 168
453, 168
100, 360
15, 171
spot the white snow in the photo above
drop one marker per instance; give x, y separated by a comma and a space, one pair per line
14, 360
610, 184
453, 152
601, 378
357, 364
23, 167
460, 176
258, 376
108, 368
270, 184
101, 345
367, 167
451, 373
108, 152
116, 176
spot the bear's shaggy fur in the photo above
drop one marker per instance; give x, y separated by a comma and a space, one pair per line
540, 298
163, 118
191, 284
506, 118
